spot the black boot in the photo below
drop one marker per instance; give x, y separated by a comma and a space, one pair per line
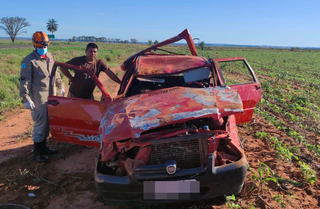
46, 150
38, 154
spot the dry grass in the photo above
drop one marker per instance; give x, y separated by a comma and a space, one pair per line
25, 135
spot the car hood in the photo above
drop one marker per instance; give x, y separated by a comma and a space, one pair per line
129, 117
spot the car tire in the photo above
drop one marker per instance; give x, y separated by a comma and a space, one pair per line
243, 189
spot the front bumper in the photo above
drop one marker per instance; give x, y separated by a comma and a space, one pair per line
214, 181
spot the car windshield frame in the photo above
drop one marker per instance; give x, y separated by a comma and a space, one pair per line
149, 78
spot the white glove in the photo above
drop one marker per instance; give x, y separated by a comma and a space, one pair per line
62, 91
30, 105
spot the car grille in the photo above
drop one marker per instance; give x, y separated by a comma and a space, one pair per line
187, 154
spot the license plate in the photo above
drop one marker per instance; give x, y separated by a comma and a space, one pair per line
171, 190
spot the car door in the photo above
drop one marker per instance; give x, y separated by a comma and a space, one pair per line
76, 120
238, 74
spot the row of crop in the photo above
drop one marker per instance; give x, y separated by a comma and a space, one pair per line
298, 107
297, 66
288, 152
315, 148
298, 69
291, 132
279, 72
307, 119
301, 61
305, 85
301, 77
297, 100
264, 174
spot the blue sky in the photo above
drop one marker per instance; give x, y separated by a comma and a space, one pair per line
245, 22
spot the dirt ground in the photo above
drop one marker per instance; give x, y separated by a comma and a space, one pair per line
66, 181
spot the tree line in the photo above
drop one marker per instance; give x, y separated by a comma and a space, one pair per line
14, 26
101, 39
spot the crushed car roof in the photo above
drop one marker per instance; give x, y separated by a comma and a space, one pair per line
167, 64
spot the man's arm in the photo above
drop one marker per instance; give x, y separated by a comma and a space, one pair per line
104, 68
66, 73
25, 80
112, 76
59, 82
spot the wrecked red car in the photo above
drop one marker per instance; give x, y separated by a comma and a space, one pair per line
170, 134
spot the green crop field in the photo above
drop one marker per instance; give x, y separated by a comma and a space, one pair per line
290, 83
289, 78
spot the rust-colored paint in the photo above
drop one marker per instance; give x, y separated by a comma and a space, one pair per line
128, 118
165, 136
139, 123
122, 122
250, 93
146, 111
233, 131
167, 64
143, 141
142, 155
75, 120
183, 35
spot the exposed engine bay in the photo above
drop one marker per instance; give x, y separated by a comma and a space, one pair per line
186, 143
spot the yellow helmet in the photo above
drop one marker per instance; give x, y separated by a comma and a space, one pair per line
40, 39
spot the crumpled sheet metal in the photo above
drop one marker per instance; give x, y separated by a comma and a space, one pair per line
170, 64
129, 117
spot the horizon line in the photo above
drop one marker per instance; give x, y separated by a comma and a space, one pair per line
210, 44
